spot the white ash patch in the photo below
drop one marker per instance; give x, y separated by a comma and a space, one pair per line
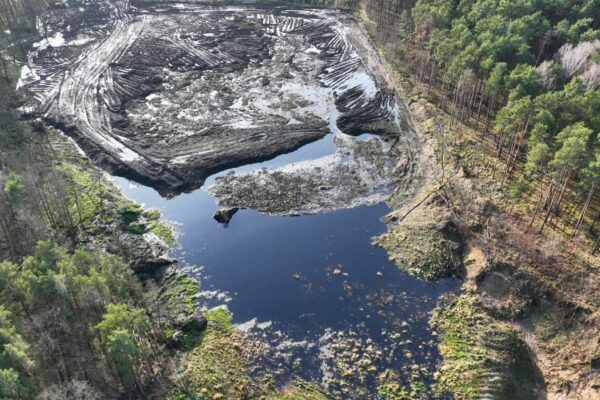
27, 77
80, 40
56, 40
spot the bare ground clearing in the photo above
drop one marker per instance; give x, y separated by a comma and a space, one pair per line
169, 95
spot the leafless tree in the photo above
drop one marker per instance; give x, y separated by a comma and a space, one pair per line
574, 58
591, 77
73, 390
548, 74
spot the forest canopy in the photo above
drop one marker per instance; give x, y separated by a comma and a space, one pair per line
524, 74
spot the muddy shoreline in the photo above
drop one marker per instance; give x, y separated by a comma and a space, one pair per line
358, 173
169, 115
139, 93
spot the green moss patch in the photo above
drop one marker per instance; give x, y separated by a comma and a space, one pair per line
159, 228
183, 322
163, 231
299, 391
483, 357
137, 228
215, 368
391, 388
139, 222
151, 215
420, 250
130, 211
179, 292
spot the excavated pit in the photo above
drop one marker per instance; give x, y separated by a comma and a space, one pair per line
284, 111
168, 95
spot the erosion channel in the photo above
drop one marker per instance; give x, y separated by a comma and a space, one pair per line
272, 139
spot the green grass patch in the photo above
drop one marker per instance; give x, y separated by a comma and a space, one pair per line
481, 354
87, 197
91, 204
419, 250
215, 368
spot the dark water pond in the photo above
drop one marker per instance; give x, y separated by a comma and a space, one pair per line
304, 283
313, 288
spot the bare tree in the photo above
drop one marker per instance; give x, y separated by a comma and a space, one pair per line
574, 58
591, 77
73, 390
548, 74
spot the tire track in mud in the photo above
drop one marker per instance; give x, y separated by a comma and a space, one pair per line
177, 141
82, 95
85, 95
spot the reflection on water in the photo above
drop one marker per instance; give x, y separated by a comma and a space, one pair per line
312, 287
303, 284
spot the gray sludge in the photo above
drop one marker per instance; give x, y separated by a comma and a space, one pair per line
169, 96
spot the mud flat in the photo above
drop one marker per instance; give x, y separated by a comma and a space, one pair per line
357, 173
279, 112
168, 95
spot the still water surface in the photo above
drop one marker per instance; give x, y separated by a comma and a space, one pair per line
297, 279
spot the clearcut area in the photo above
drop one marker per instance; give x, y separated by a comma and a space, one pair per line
169, 95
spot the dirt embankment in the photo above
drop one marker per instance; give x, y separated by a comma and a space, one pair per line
538, 292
